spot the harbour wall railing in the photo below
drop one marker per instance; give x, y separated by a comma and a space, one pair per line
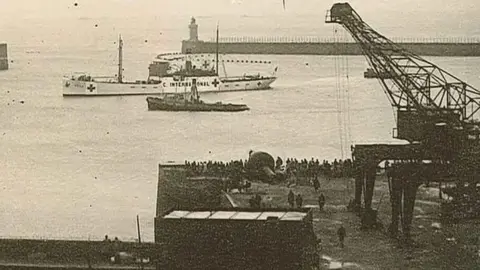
348, 39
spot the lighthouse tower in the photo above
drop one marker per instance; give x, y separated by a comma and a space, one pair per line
193, 30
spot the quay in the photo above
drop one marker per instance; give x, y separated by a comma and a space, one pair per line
26, 254
21, 266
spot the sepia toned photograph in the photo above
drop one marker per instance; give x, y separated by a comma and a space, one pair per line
239, 134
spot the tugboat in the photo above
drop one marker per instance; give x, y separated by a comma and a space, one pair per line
179, 102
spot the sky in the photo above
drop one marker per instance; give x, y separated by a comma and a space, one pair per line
384, 15
396, 10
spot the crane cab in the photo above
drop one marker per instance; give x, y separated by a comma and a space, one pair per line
338, 12
415, 126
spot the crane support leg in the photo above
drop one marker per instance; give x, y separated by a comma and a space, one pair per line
403, 191
369, 216
395, 199
410, 188
369, 186
359, 184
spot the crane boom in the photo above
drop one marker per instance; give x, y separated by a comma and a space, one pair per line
416, 85
434, 109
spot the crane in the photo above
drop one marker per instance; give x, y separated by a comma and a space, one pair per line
416, 84
436, 113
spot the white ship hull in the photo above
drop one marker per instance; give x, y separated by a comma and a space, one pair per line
167, 85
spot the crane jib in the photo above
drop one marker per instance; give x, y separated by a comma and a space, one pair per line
413, 82
437, 113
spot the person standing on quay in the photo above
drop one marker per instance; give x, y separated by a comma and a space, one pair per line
316, 183
291, 198
321, 202
341, 235
299, 200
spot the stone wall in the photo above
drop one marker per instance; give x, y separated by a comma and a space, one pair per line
68, 252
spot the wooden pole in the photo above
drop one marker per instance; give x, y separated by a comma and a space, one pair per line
120, 59
139, 241
138, 230
216, 54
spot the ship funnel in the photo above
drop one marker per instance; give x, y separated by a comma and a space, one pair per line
261, 166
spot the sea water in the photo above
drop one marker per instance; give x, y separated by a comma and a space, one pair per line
85, 167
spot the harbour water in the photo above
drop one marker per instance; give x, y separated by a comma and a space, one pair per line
84, 167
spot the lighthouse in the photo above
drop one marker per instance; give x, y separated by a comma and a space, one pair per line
193, 30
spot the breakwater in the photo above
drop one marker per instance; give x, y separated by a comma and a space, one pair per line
313, 47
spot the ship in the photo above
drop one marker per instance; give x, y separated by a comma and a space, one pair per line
190, 102
162, 80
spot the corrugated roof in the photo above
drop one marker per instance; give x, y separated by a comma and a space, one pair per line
265, 215
246, 215
177, 214
237, 215
294, 216
198, 215
222, 215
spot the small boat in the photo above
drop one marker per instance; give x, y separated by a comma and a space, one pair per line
178, 102
371, 74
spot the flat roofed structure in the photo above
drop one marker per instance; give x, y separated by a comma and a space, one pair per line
236, 238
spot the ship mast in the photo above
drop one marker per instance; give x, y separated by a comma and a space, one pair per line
216, 55
120, 59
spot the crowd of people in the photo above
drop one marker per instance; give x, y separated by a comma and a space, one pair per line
216, 168
232, 172
311, 169
291, 167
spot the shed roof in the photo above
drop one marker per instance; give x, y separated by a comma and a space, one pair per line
236, 215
